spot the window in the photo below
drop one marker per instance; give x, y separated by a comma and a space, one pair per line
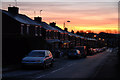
40, 31
22, 25
47, 53
37, 54
27, 29
36, 30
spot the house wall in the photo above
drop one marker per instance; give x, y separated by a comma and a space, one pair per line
14, 48
10, 26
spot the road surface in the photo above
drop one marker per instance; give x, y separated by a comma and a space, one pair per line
63, 68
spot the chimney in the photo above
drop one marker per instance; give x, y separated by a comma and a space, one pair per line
72, 31
38, 19
13, 10
53, 24
66, 29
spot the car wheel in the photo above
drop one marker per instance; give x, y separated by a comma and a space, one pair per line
44, 65
85, 56
69, 57
51, 65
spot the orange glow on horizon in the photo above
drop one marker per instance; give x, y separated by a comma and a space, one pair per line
97, 17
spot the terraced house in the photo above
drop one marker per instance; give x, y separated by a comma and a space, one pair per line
22, 34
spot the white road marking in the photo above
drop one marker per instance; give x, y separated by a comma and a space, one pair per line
70, 65
40, 76
57, 70
54, 71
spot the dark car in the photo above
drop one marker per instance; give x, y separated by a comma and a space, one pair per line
56, 53
74, 53
83, 50
90, 52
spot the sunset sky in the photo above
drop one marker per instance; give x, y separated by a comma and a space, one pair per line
95, 16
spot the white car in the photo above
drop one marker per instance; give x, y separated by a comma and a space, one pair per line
38, 58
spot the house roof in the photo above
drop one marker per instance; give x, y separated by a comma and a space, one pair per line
60, 30
26, 20
46, 26
21, 18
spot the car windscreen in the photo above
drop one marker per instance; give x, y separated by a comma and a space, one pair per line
37, 54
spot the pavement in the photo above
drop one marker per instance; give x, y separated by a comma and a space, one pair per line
14, 67
11, 68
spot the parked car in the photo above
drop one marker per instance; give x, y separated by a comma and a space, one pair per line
90, 52
97, 50
56, 53
74, 53
83, 50
40, 58
94, 50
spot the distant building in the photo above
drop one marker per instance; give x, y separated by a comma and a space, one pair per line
63, 36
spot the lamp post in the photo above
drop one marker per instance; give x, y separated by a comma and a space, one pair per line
65, 36
64, 24
40, 12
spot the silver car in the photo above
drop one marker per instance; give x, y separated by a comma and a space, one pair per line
41, 58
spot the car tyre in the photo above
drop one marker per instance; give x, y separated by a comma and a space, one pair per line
85, 56
51, 65
44, 66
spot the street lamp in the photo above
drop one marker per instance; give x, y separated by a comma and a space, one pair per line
64, 24
40, 12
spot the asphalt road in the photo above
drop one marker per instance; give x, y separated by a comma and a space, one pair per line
63, 68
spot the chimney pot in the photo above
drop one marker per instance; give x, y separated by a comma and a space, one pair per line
38, 19
14, 10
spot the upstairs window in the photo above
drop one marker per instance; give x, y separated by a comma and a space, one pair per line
22, 25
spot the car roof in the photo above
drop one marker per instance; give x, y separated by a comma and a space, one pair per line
73, 49
39, 50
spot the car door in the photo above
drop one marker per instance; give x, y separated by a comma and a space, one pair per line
47, 58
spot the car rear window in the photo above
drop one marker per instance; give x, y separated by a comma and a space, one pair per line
37, 54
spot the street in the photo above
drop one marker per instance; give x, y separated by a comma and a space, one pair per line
64, 68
